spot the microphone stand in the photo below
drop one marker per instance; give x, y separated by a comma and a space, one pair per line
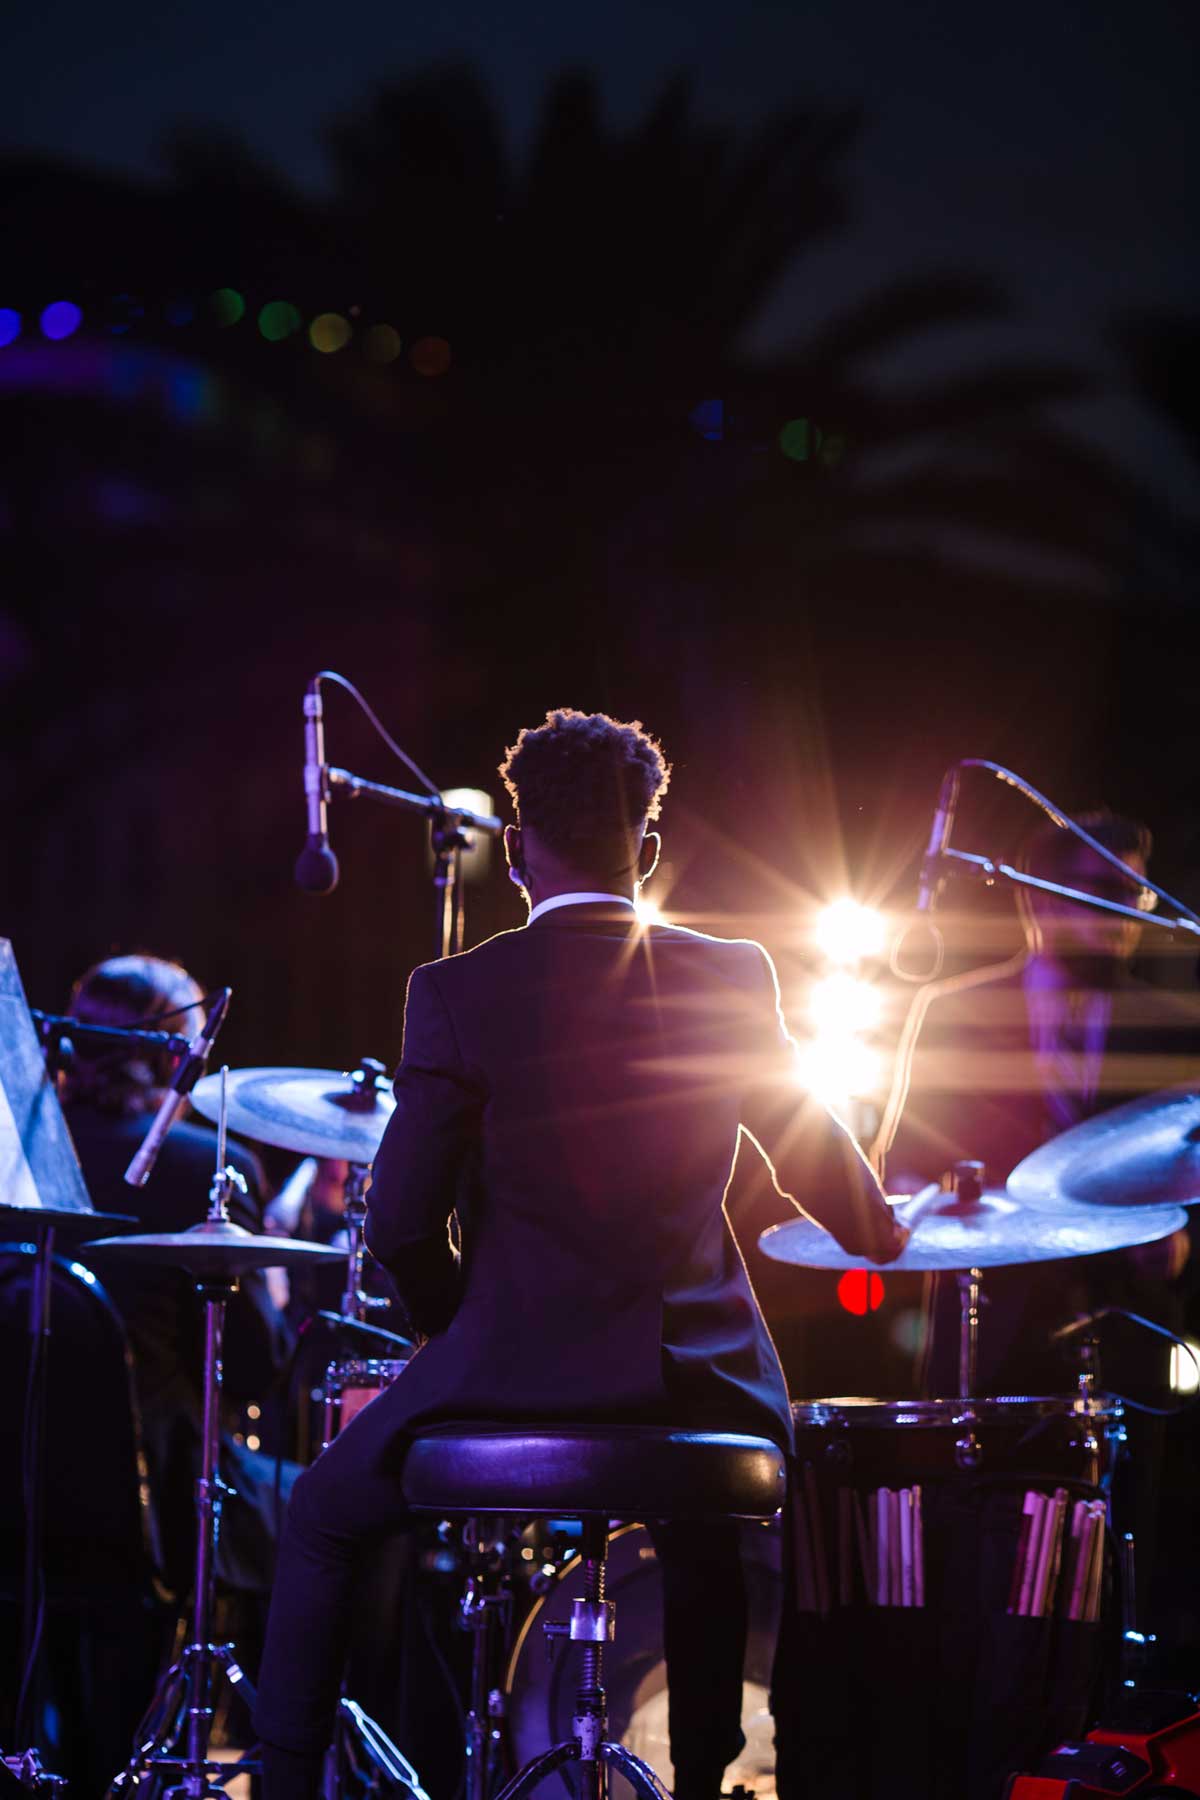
449, 826
987, 870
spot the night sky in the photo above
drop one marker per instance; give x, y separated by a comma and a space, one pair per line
1053, 145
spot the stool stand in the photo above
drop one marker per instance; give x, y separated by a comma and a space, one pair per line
592, 1624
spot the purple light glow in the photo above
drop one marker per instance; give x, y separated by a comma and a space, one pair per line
60, 319
10, 325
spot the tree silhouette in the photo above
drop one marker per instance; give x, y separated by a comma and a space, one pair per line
593, 501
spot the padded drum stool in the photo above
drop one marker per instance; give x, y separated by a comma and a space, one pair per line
593, 1474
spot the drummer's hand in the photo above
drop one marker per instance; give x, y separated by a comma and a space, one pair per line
1164, 1260
904, 1224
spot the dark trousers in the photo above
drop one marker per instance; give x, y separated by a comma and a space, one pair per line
344, 1508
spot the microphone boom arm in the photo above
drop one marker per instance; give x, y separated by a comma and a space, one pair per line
432, 805
987, 871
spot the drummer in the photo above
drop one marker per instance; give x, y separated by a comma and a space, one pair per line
109, 1096
573, 1089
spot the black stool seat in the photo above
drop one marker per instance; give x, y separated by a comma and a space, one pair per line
593, 1471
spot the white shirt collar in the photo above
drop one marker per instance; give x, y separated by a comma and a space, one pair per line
580, 899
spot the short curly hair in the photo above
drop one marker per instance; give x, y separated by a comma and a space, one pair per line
586, 783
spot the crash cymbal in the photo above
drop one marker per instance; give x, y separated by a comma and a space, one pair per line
990, 1232
1145, 1153
319, 1112
217, 1249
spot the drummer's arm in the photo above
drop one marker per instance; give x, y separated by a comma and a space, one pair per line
415, 1174
813, 1158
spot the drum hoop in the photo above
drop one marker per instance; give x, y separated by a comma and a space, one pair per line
866, 1414
363, 1371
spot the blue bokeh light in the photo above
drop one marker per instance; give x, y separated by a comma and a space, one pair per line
10, 325
60, 319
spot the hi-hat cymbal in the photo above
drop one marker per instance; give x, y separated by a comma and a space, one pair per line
319, 1112
217, 1249
991, 1232
64, 1219
1145, 1153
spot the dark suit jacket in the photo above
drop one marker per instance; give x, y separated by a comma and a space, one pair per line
575, 1090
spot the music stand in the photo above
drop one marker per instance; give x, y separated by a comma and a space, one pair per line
42, 1191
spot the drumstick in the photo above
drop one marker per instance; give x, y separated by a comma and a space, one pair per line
1051, 1549
1014, 1586
918, 1549
895, 1576
1083, 1564
1091, 1604
1071, 1559
873, 1521
818, 1540
906, 1547
1060, 1548
883, 1547
1041, 1505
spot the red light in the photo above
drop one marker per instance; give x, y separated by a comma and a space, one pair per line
860, 1292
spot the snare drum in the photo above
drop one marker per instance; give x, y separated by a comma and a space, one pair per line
352, 1382
889, 1443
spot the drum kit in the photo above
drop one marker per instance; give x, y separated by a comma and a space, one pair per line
1077, 1196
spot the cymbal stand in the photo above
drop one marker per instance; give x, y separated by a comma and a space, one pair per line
361, 1748
968, 1187
184, 1704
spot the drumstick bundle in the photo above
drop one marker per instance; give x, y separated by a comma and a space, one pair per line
885, 1541
1060, 1558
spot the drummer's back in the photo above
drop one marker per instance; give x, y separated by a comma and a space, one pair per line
611, 1053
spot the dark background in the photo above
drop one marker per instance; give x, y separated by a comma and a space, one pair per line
957, 246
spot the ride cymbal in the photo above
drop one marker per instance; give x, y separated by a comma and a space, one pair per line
990, 1232
319, 1112
1145, 1153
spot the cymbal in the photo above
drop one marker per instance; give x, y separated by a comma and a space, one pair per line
991, 1232
1145, 1153
319, 1112
217, 1249
64, 1219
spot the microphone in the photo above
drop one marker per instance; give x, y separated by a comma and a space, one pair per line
175, 1099
316, 865
939, 837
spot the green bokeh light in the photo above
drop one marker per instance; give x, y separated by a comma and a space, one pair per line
228, 306
800, 439
277, 320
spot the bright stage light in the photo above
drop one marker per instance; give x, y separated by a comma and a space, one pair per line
1184, 1378
649, 912
847, 931
842, 1005
839, 1069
